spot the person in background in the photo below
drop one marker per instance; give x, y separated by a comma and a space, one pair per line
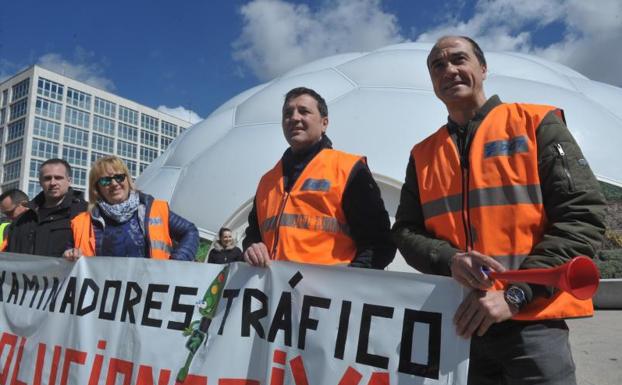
12, 205
124, 222
225, 250
45, 228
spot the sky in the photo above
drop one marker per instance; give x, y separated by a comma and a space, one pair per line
188, 57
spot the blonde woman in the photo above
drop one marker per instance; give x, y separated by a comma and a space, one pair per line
122, 221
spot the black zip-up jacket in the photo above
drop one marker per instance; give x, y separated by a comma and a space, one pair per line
362, 205
571, 195
48, 236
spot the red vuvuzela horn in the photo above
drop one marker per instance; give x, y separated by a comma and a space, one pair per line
579, 277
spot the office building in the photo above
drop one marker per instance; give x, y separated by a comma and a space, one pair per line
46, 115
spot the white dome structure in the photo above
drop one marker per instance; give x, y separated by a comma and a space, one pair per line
380, 104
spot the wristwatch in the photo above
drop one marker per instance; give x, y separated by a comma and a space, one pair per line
515, 296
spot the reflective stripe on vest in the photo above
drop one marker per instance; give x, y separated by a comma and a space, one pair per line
160, 243
308, 224
316, 223
495, 206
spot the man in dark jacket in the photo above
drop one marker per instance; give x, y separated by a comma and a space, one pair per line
317, 205
45, 229
500, 186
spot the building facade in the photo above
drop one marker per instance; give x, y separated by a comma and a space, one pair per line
46, 115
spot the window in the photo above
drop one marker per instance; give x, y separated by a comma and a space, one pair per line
48, 109
131, 165
103, 143
44, 149
76, 136
96, 155
18, 109
169, 129
78, 99
11, 171
128, 116
103, 125
148, 154
15, 130
104, 107
75, 156
21, 89
77, 117
164, 142
149, 122
34, 168
10, 186
46, 128
13, 150
50, 89
143, 166
33, 188
128, 132
5, 97
78, 176
126, 149
148, 138
2, 116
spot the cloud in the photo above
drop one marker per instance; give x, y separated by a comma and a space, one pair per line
278, 36
82, 67
181, 113
8, 69
591, 32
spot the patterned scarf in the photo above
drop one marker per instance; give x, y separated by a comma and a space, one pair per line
120, 212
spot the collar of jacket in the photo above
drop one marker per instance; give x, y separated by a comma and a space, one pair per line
218, 246
491, 103
293, 164
73, 195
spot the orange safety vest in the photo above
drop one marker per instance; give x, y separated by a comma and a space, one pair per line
308, 224
160, 243
495, 205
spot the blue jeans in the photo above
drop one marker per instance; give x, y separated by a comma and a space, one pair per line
513, 353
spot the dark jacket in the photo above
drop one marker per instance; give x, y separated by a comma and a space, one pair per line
183, 232
221, 255
48, 236
571, 196
362, 205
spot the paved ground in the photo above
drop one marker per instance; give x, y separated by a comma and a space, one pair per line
597, 348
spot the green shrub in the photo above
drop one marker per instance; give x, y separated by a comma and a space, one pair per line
609, 260
609, 263
204, 246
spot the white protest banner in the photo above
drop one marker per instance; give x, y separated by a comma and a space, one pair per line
129, 321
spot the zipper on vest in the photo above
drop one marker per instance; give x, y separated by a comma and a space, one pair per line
277, 226
466, 221
562, 155
463, 142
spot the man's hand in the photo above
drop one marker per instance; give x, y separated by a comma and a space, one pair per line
72, 254
468, 269
480, 310
257, 255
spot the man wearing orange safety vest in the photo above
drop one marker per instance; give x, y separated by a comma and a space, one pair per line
317, 205
500, 186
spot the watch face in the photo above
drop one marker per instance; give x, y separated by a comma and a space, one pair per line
515, 296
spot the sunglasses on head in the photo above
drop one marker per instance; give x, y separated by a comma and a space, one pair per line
107, 180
